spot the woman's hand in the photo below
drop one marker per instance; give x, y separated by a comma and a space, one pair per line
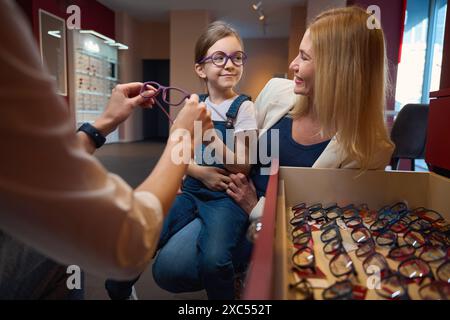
124, 98
215, 179
242, 190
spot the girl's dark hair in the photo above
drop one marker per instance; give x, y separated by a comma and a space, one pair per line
215, 31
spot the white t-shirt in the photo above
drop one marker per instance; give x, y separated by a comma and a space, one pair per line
246, 117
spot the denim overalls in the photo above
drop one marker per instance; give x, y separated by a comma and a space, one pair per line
223, 222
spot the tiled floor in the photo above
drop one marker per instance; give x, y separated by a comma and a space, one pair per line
133, 162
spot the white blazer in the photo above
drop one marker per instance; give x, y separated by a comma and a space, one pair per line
278, 98
275, 101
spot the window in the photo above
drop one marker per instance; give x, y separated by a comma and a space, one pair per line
436, 44
419, 71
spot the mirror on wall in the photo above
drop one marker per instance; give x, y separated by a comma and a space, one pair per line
52, 33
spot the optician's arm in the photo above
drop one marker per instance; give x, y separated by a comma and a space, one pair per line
124, 99
56, 197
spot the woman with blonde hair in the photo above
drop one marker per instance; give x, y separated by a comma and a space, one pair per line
329, 116
338, 92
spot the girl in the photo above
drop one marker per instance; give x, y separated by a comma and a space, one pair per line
219, 60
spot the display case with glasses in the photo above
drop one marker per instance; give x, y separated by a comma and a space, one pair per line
94, 74
386, 232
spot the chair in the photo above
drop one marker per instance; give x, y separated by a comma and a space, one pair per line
409, 133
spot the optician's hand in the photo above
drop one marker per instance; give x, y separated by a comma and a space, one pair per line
124, 98
242, 190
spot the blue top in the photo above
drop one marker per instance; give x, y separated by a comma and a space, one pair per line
291, 153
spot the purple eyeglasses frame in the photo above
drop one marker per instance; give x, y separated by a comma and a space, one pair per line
163, 89
227, 57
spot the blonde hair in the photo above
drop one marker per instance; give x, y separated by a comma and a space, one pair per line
351, 79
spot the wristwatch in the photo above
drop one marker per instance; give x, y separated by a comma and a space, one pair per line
93, 133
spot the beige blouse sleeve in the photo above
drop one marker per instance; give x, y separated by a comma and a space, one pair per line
53, 195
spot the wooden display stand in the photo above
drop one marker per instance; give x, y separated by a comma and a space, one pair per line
269, 274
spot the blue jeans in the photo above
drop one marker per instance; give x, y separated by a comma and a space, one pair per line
176, 268
223, 224
212, 226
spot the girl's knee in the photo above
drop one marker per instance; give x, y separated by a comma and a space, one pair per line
174, 277
216, 262
164, 277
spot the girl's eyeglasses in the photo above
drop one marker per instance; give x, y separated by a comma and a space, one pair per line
171, 95
220, 58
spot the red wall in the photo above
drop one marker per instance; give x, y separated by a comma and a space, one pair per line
27, 7
445, 72
392, 23
94, 16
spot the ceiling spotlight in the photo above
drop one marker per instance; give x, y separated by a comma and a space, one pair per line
257, 6
261, 16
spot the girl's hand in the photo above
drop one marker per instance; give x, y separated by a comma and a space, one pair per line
215, 179
243, 191
191, 112
183, 126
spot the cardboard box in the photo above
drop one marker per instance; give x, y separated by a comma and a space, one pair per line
296, 185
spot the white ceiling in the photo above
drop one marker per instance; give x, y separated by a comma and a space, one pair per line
237, 12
